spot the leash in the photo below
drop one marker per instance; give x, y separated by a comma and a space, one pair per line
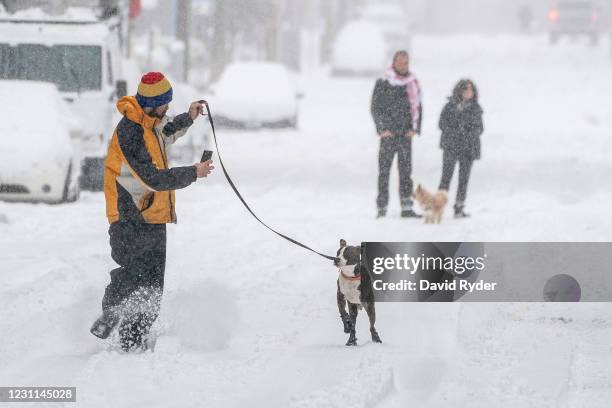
231, 183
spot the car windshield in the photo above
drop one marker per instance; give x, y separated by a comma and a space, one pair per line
73, 68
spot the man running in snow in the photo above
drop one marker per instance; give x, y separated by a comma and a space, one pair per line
139, 190
397, 112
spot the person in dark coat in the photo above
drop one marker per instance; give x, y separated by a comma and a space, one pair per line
397, 112
461, 125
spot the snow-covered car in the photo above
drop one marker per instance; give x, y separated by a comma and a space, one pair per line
40, 162
255, 94
574, 18
392, 20
359, 49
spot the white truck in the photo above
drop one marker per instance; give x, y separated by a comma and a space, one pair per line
82, 55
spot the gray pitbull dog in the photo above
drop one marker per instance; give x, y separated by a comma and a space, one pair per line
354, 290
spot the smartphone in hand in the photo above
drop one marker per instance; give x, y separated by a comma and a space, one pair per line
206, 156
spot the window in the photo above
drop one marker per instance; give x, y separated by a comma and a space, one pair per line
72, 68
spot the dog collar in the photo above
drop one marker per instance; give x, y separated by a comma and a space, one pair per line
348, 272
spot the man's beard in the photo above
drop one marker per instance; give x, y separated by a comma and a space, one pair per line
158, 115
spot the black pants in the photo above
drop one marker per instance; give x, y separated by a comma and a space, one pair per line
449, 161
136, 286
388, 148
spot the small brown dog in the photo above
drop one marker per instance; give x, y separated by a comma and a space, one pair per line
432, 204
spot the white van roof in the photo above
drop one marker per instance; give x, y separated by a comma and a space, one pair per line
76, 26
51, 34
71, 14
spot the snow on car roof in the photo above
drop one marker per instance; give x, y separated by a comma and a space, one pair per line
257, 79
71, 14
34, 107
19, 33
361, 32
36, 124
34, 26
360, 26
360, 45
255, 74
256, 67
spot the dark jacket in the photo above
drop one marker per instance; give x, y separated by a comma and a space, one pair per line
391, 109
461, 129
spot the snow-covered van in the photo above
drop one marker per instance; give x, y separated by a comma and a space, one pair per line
82, 56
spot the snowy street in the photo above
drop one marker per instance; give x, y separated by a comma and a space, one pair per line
250, 320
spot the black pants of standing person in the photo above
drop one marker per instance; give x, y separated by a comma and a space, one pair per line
135, 290
449, 161
389, 147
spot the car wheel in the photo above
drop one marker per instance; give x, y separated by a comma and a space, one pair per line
70, 196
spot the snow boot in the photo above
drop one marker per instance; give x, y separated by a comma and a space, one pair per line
103, 327
410, 214
382, 213
459, 213
375, 336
